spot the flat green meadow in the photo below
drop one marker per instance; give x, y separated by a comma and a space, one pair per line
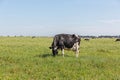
26, 58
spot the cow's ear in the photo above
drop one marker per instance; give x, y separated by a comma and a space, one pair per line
50, 47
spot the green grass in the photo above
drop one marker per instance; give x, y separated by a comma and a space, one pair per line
24, 58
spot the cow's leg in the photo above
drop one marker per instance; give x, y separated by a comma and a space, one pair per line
77, 53
61, 46
63, 52
77, 50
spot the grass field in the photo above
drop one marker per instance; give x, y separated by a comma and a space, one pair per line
24, 58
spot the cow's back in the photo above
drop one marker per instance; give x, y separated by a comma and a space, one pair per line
65, 40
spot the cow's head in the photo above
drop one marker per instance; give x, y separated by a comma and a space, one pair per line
54, 50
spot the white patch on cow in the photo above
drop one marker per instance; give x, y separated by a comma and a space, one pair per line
75, 46
55, 48
76, 35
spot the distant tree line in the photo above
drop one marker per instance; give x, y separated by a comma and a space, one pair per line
102, 36
82, 36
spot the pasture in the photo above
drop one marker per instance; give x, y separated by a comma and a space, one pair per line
24, 58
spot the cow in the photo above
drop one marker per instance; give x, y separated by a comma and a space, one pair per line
33, 37
118, 39
65, 41
87, 39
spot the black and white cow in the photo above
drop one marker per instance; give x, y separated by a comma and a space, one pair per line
118, 39
87, 39
65, 41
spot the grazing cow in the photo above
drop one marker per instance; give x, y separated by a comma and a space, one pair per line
117, 39
87, 39
65, 41
33, 37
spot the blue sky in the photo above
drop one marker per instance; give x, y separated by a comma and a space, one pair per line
50, 17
